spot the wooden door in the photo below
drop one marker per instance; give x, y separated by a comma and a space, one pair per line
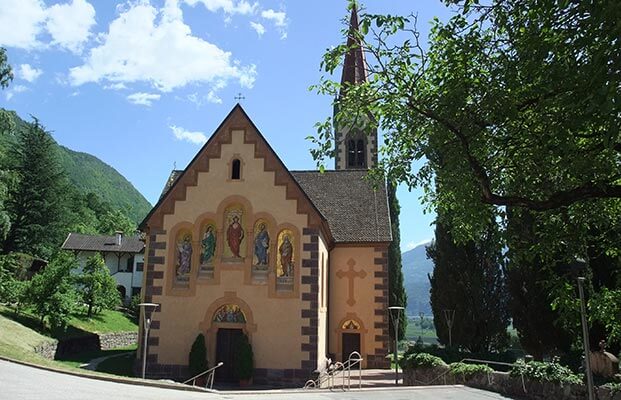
351, 343
225, 352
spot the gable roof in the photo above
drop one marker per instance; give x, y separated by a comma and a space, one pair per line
80, 242
354, 209
237, 119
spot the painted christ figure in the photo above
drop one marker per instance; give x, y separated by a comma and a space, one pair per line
209, 245
234, 236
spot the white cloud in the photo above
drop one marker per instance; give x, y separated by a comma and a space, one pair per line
279, 18
14, 90
260, 29
145, 44
212, 97
192, 137
228, 6
22, 21
144, 99
70, 24
115, 86
28, 73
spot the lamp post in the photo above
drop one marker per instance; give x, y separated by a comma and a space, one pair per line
585, 337
395, 321
146, 307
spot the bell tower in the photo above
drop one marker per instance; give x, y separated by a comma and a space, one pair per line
353, 148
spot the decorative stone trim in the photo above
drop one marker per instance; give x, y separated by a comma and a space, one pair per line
378, 358
310, 298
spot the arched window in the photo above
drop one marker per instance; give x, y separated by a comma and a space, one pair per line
236, 169
360, 153
351, 153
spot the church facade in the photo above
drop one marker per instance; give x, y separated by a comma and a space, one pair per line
296, 260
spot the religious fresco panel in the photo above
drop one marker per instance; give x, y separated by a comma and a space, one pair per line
229, 313
285, 263
235, 235
261, 256
208, 248
183, 257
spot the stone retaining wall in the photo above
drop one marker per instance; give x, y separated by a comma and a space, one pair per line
503, 383
106, 341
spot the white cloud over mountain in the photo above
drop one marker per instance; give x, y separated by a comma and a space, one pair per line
146, 44
23, 22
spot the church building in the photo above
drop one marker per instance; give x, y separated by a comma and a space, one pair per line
296, 260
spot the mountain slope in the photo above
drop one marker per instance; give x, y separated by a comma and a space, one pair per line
89, 174
416, 266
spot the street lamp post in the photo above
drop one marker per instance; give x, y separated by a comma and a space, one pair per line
585, 337
395, 321
146, 307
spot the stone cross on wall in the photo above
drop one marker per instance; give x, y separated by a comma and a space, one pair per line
351, 274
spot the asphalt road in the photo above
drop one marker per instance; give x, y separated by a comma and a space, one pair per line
23, 382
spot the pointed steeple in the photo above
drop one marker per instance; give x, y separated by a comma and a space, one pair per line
353, 148
355, 66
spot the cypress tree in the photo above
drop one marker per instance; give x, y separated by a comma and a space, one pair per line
468, 279
397, 294
36, 200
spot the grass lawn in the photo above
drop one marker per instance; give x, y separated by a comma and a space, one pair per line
18, 341
76, 360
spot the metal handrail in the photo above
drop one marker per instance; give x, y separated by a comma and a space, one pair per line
210, 378
339, 368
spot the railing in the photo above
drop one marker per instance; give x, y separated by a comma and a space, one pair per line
210, 371
336, 369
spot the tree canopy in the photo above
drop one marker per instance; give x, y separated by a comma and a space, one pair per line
514, 103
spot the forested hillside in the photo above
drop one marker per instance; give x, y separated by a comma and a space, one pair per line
88, 174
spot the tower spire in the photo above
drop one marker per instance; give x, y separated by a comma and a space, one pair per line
354, 149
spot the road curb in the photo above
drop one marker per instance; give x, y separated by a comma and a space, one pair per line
111, 378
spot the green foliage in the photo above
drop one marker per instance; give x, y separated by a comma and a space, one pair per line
515, 104
453, 355
468, 370
37, 199
113, 221
545, 371
198, 356
244, 359
6, 72
98, 287
420, 360
133, 308
397, 294
51, 292
468, 279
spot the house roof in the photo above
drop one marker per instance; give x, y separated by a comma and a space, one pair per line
78, 241
356, 211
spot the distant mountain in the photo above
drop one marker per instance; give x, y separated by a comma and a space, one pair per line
89, 174
416, 266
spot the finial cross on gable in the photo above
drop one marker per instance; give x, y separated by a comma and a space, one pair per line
351, 274
239, 97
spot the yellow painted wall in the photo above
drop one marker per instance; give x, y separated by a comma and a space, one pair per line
364, 307
277, 339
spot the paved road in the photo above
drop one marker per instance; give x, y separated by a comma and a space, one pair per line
22, 382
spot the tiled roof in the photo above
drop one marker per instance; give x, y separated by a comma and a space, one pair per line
77, 241
354, 209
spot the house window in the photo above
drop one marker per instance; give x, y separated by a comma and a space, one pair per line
139, 266
360, 153
130, 264
236, 169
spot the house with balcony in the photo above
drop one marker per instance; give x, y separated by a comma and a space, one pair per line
123, 255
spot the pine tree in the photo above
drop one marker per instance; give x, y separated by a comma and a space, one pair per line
397, 294
468, 279
36, 201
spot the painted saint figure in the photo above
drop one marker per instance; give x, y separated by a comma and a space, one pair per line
209, 245
234, 236
286, 256
261, 245
185, 255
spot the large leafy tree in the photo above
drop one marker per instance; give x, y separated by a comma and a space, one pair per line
468, 279
521, 98
37, 199
397, 294
98, 287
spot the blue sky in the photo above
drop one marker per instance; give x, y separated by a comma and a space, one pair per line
142, 84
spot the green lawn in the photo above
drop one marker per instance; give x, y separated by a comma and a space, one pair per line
121, 365
76, 360
18, 341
